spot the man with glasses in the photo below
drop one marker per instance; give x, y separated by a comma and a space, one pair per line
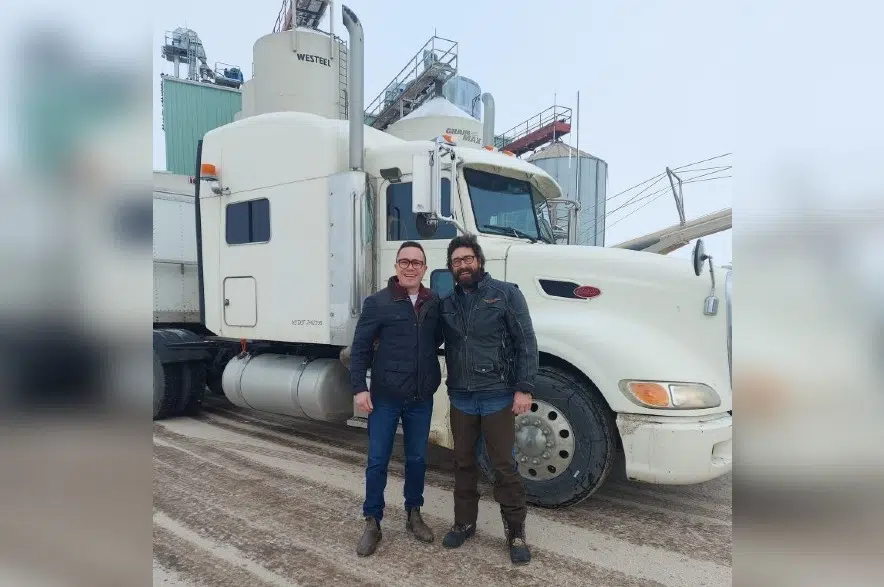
491, 354
397, 336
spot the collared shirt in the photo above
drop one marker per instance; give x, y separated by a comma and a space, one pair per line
422, 296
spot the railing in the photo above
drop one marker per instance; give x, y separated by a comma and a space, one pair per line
436, 60
305, 13
538, 121
282, 16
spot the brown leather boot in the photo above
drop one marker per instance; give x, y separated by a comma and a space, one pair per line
370, 537
415, 524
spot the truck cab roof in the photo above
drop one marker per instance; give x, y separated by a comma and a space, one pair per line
382, 150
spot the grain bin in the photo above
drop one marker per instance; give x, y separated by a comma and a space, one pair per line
299, 70
465, 94
565, 164
436, 117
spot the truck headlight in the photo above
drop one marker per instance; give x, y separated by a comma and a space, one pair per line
669, 395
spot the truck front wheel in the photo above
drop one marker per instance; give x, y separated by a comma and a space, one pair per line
566, 445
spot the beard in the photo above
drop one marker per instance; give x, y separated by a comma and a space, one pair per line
468, 277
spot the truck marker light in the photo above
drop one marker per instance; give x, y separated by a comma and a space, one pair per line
208, 171
509, 153
586, 291
652, 394
448, 139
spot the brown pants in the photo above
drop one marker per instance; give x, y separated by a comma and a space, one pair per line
499, 431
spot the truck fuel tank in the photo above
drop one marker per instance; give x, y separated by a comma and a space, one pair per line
318, 389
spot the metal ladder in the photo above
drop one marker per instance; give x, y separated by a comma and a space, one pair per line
343, 63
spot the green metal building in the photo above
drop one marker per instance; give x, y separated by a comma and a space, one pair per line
190, 110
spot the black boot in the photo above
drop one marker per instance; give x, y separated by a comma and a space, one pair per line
515, 541
519, 552
458, 535
370, 537
416, 525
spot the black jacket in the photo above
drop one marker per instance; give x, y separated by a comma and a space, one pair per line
489, 338
399, 342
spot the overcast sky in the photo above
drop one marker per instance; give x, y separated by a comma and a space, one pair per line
655, 78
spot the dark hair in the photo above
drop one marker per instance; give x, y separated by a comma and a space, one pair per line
408, 244
466, 240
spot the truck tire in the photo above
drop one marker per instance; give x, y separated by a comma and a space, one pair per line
165, 392
180, 374
571, 414
194, 380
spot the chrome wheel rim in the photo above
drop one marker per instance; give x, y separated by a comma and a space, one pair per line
544, 442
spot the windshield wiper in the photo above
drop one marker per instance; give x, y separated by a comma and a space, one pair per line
509, 230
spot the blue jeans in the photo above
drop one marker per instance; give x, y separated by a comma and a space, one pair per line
481, 403
382, 424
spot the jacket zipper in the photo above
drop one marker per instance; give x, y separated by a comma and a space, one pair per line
417, 322
463, 361
475, 297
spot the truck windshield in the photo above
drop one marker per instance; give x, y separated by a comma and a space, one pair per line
503, 205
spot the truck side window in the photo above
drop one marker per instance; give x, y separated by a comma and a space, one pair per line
441, 281
403, 225
248, 222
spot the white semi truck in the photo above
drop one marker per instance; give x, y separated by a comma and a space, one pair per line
294, 216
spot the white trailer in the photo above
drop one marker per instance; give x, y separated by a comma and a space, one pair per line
294, 218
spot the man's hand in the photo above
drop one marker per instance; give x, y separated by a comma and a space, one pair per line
522, 402
363, 401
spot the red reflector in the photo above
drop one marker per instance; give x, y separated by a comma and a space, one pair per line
586, 291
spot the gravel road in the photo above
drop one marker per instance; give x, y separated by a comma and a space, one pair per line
248, 499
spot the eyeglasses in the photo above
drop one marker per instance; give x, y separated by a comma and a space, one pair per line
405, 263
467, 260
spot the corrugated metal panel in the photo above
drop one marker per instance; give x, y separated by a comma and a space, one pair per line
190, 110
593, 187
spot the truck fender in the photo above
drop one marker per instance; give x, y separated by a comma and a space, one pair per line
609, 348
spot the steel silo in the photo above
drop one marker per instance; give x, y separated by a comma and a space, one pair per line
565, 164
465, 94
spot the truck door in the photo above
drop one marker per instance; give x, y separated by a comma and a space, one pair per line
247, 225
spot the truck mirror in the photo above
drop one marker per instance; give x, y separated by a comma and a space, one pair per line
421, 185
699, 256
426, 225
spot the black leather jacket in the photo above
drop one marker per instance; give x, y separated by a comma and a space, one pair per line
489, 338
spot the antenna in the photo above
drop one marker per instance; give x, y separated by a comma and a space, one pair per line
577, 123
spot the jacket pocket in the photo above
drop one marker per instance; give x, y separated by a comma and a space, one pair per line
400, 367
393, 374
485, 368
